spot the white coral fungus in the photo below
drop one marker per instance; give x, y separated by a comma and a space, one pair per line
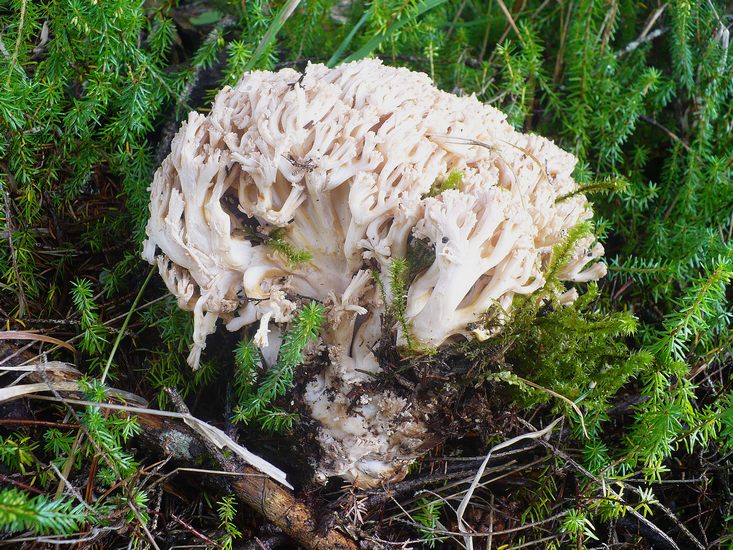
350, 164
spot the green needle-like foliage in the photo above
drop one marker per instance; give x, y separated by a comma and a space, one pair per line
294, 256
256, 393
398, 285
16, 452
40, 514
572, 350
94, 335
701, 315
428, 516
227, 511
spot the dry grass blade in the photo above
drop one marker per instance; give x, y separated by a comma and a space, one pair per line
571, 403
222, 441
48, 366
217, 437
467, 538
65, 376
13, 392
28, 335
509, 18
467, 141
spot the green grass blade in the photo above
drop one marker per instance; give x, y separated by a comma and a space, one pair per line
285, 12
333, 60
375, 41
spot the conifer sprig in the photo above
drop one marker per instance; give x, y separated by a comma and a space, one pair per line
700, 315
41, 514
258, 392
94, 336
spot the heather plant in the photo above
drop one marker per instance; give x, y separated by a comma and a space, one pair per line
639, 367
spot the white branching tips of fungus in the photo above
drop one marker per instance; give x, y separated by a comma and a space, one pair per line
352, 164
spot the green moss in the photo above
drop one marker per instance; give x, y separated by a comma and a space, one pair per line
454, 180
294, 256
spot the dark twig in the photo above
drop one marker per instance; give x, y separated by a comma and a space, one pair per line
666, 130
188, 527
645, 35
20, 484
29, 422
631, 46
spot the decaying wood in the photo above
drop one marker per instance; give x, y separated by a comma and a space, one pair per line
185, 447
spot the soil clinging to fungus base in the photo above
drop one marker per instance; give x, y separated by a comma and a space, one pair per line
353, 164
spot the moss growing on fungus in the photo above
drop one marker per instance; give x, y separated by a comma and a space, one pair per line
453, 180
295, 256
